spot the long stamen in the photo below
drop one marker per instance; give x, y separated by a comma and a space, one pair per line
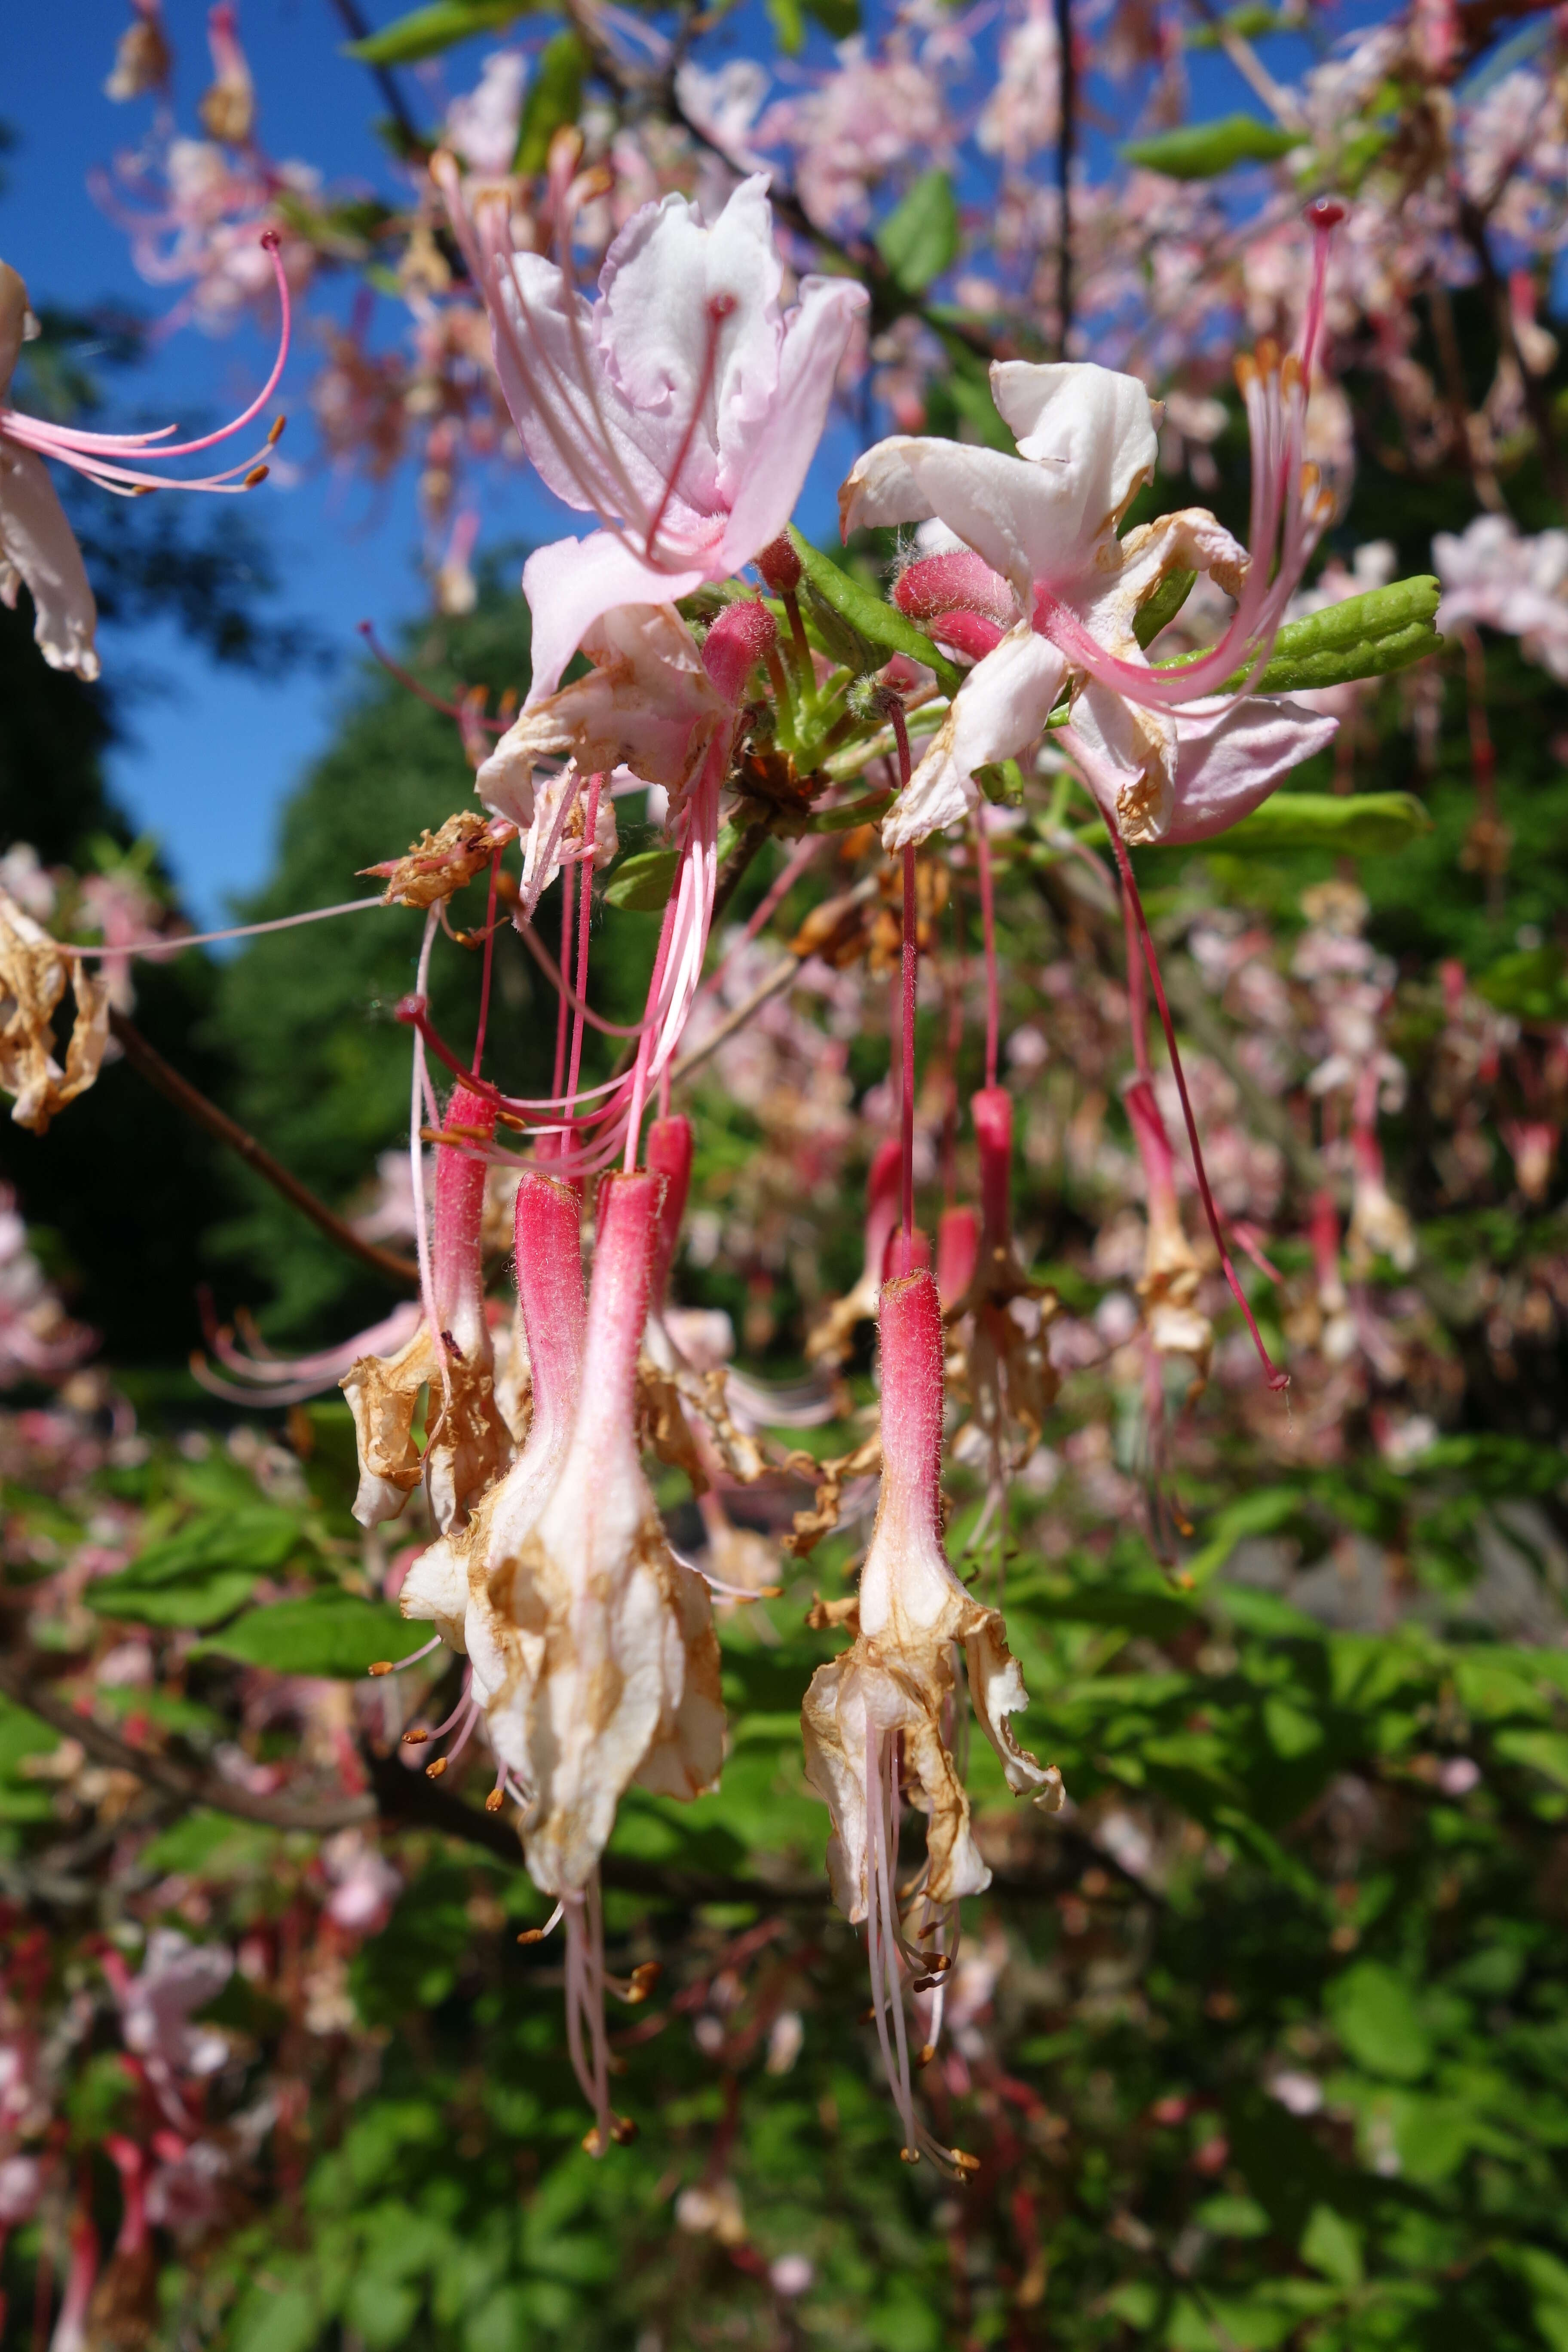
721, 308
1276, 1379
988, 927
584, 909
490, 964
167, 947
395, 1666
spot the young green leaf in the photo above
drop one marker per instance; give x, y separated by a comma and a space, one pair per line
425, 32
1366, 637
919, 239
1202, 150
554, 98
1360, 824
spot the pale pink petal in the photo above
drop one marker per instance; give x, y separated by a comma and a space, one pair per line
1231, 753
998, 713
574, 583
766, 485
1131, 761
38, 547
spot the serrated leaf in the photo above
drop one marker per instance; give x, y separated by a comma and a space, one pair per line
1201, 150
1360, 824
919, 239
554, 98
328, 1633
883, 630
425, 32
641, 883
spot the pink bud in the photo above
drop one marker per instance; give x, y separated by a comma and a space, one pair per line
1154, 1151
884, 1203
780, 565
669, 1156
460, 1215
957, 1254
993, 1110
955, 582
905, 1253
549, 1291
743, 633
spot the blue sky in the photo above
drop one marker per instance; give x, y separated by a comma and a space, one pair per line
215, 755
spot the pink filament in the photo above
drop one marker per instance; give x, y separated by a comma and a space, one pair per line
988, 927
1276, 1379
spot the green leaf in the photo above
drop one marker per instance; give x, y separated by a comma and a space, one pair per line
1546, 1752
1261, 1513
1291, 1732
1201, 150
330, 1633
919, 239
554, 98
1373, 2012
641, 883
1532, 984
1353, 824
425, 32
838, 18
845, 820
1232, 2216
883, 631
197, 1600
789, 25
1364, 637
204, 1573
1163, 606
1330, 2245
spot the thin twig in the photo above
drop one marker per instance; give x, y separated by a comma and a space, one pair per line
216, 1123
352, 20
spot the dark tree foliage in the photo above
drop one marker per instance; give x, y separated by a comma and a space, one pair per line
308, 1016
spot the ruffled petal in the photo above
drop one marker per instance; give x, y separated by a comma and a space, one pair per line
1128, 754
1014, 514
765, 473
574, 582
1091, 427
996, 1687
39, 548
1231, 751
997, 714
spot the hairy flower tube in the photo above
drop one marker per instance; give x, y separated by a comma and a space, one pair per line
617, 1664
879, 1720
449, 1354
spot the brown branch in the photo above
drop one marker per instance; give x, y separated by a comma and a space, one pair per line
351, 18
21, 1681
206, 1114
734, 866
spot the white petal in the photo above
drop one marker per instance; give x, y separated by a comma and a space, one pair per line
997, 714
36, 546
1232, 752
1012, 513
1092, 427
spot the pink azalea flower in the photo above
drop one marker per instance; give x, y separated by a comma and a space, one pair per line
682, 406
1047, 597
